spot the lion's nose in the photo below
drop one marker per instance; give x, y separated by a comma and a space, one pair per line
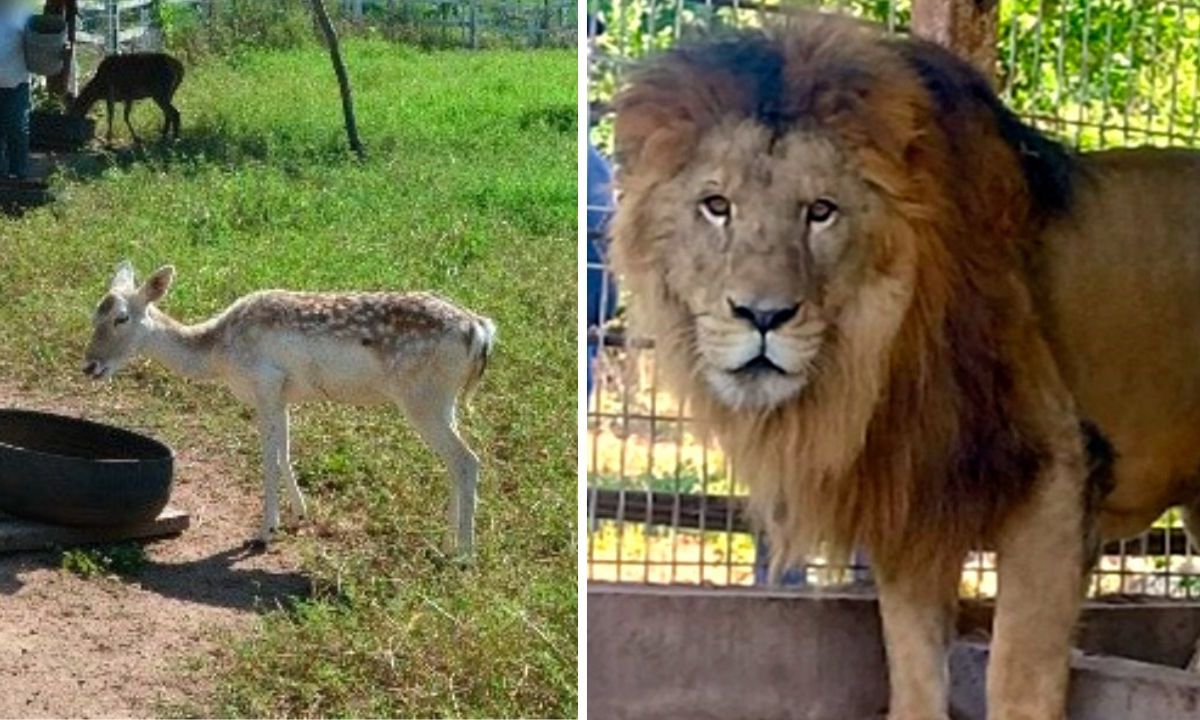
764, 319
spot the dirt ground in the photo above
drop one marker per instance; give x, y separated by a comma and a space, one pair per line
73, 647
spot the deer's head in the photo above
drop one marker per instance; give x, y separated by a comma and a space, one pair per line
122, 321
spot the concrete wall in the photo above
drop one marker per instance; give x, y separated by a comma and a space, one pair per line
732, 654
700, 654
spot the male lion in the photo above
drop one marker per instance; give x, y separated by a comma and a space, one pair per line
916, 325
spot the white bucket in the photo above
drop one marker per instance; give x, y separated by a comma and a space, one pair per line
45, 38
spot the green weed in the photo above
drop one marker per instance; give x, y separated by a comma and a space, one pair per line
123, 559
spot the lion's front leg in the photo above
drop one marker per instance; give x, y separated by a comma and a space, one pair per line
917, 605
1040, 558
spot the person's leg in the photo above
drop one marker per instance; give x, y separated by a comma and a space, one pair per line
18, 163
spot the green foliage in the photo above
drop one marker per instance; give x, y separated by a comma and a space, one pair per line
1100, 73
1126, 65
469, 191
237, 25
243, 25
687, 478
123, 559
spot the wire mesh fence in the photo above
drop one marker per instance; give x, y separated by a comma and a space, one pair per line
475, 23
664, 503
133, 25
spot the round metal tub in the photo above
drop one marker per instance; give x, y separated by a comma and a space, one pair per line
75, 472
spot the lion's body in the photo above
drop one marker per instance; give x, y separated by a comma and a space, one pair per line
1117, 281
917, 326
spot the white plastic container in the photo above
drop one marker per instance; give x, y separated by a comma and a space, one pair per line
45, 38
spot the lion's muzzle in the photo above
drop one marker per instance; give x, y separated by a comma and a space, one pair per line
758, 354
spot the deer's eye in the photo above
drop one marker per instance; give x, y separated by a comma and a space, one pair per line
716, 209
120, 320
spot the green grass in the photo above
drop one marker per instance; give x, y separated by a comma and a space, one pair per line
469, 190
117, 560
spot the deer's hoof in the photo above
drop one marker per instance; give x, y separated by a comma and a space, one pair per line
255, 545
266, 533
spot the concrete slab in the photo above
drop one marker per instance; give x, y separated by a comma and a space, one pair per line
17, 534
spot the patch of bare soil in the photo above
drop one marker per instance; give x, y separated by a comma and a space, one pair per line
74, 647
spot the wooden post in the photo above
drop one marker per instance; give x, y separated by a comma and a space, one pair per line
968, 27
473, 19
343, 78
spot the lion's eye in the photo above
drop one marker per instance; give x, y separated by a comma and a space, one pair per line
716, 208
120, 320
820, 212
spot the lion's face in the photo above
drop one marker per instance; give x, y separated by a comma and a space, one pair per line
763, 237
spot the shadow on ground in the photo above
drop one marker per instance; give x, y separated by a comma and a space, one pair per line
227, 579
197, 146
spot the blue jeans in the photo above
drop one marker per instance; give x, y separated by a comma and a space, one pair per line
14, 130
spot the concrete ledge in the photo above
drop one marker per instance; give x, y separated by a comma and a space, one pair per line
1152, 630
700, 654
760, 655
1102, 688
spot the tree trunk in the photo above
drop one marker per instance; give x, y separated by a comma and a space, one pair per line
339, 68
968, 27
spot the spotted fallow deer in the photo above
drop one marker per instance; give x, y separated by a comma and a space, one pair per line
275, 348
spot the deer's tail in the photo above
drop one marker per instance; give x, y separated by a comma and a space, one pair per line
481, 339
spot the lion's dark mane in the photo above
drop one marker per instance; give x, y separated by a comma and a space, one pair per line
954, 441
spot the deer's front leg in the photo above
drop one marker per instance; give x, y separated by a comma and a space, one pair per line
272, 425
1041, 559
917, 605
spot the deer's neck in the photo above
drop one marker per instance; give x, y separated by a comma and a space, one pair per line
186, 349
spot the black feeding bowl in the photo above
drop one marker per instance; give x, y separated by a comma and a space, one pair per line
74, 472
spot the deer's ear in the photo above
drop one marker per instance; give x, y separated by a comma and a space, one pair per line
158, 284
123, 278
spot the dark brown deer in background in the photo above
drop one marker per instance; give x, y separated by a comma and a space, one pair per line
125, 78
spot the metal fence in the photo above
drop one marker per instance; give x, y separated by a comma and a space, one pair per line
129, 25
664, 504
122, 25
476, 23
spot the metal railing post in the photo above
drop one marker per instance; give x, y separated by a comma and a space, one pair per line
112, 39
473, 21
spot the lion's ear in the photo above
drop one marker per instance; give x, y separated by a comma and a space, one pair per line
666, 108
646, 142
652, 130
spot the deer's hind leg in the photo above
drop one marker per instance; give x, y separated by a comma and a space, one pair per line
431, 409
128, 123
110, 107
171, 118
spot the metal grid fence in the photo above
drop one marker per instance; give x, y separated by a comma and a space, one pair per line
130, 25
664, 504
475, 23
